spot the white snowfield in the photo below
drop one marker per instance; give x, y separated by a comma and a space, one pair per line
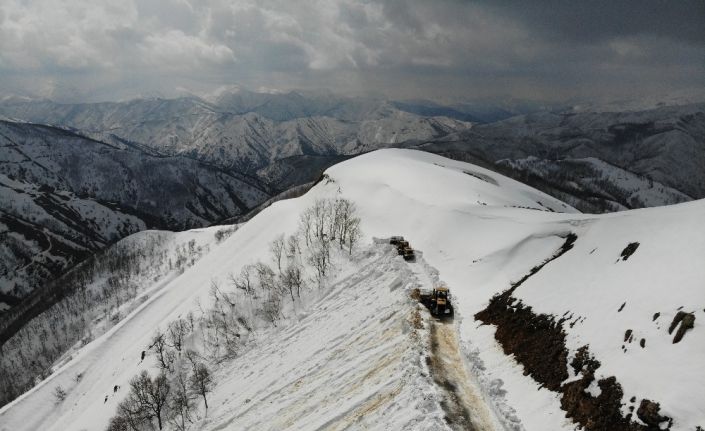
353, 360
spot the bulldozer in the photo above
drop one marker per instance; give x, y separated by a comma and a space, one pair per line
395, 240
401, 246
408, 254
405, 250
437, 301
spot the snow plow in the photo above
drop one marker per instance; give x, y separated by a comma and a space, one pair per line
437, 301
403, 248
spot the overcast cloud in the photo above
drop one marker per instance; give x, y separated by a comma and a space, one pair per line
548, 50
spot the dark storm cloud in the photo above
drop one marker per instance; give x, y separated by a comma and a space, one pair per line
600, 20
86, 49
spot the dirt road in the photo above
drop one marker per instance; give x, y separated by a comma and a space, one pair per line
463, 404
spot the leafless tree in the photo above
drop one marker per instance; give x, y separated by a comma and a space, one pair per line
201, 382
319, 258
152, 395
292, 279
354, 233
165, 357
180, 403
120, 423
305, 225
265, 277
193, 358
292, 247
177, 331
130, 415
277, 249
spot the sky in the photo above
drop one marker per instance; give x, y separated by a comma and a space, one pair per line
87, 50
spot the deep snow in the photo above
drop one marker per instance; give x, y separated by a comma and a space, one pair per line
480, 231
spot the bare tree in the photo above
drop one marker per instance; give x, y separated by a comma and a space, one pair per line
321, 218
130, 415
244, 280
347, 223
306, 224
165, 357
201, 382
180, 403
177, 331
319, 258
277, 249
119, 423
271, 308
292, 279
218, 294
353, 233
265, 277
193, 358
292, 247
152, 395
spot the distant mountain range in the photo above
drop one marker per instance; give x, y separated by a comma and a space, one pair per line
65, 196
77, 177
596, 161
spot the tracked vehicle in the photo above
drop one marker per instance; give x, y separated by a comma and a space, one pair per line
438, 301
403, 248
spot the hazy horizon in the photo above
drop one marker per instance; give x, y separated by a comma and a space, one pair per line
446, 51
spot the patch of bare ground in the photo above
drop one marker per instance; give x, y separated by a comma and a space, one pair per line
538, 342
464, 407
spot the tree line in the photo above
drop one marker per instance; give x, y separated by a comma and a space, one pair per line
96, 295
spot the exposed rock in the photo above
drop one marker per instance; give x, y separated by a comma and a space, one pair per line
648, 412
628, 335
629, 250
537, 342
596, 413
686, 321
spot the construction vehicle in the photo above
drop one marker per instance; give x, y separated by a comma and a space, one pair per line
395, 240
403, 248
408, 254
437, 301
401, 245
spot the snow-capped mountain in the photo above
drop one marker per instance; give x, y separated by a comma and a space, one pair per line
264, 133
176, 164
65, 196
562, 319
244, 131
600, 161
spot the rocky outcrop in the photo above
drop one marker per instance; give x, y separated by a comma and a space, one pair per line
538, 343
683, 321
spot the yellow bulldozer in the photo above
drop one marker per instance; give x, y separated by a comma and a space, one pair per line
438, 301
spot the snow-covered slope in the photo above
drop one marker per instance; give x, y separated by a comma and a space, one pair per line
346, 356
592, 184
63, 196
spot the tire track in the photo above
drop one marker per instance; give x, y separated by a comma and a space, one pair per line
462, 401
